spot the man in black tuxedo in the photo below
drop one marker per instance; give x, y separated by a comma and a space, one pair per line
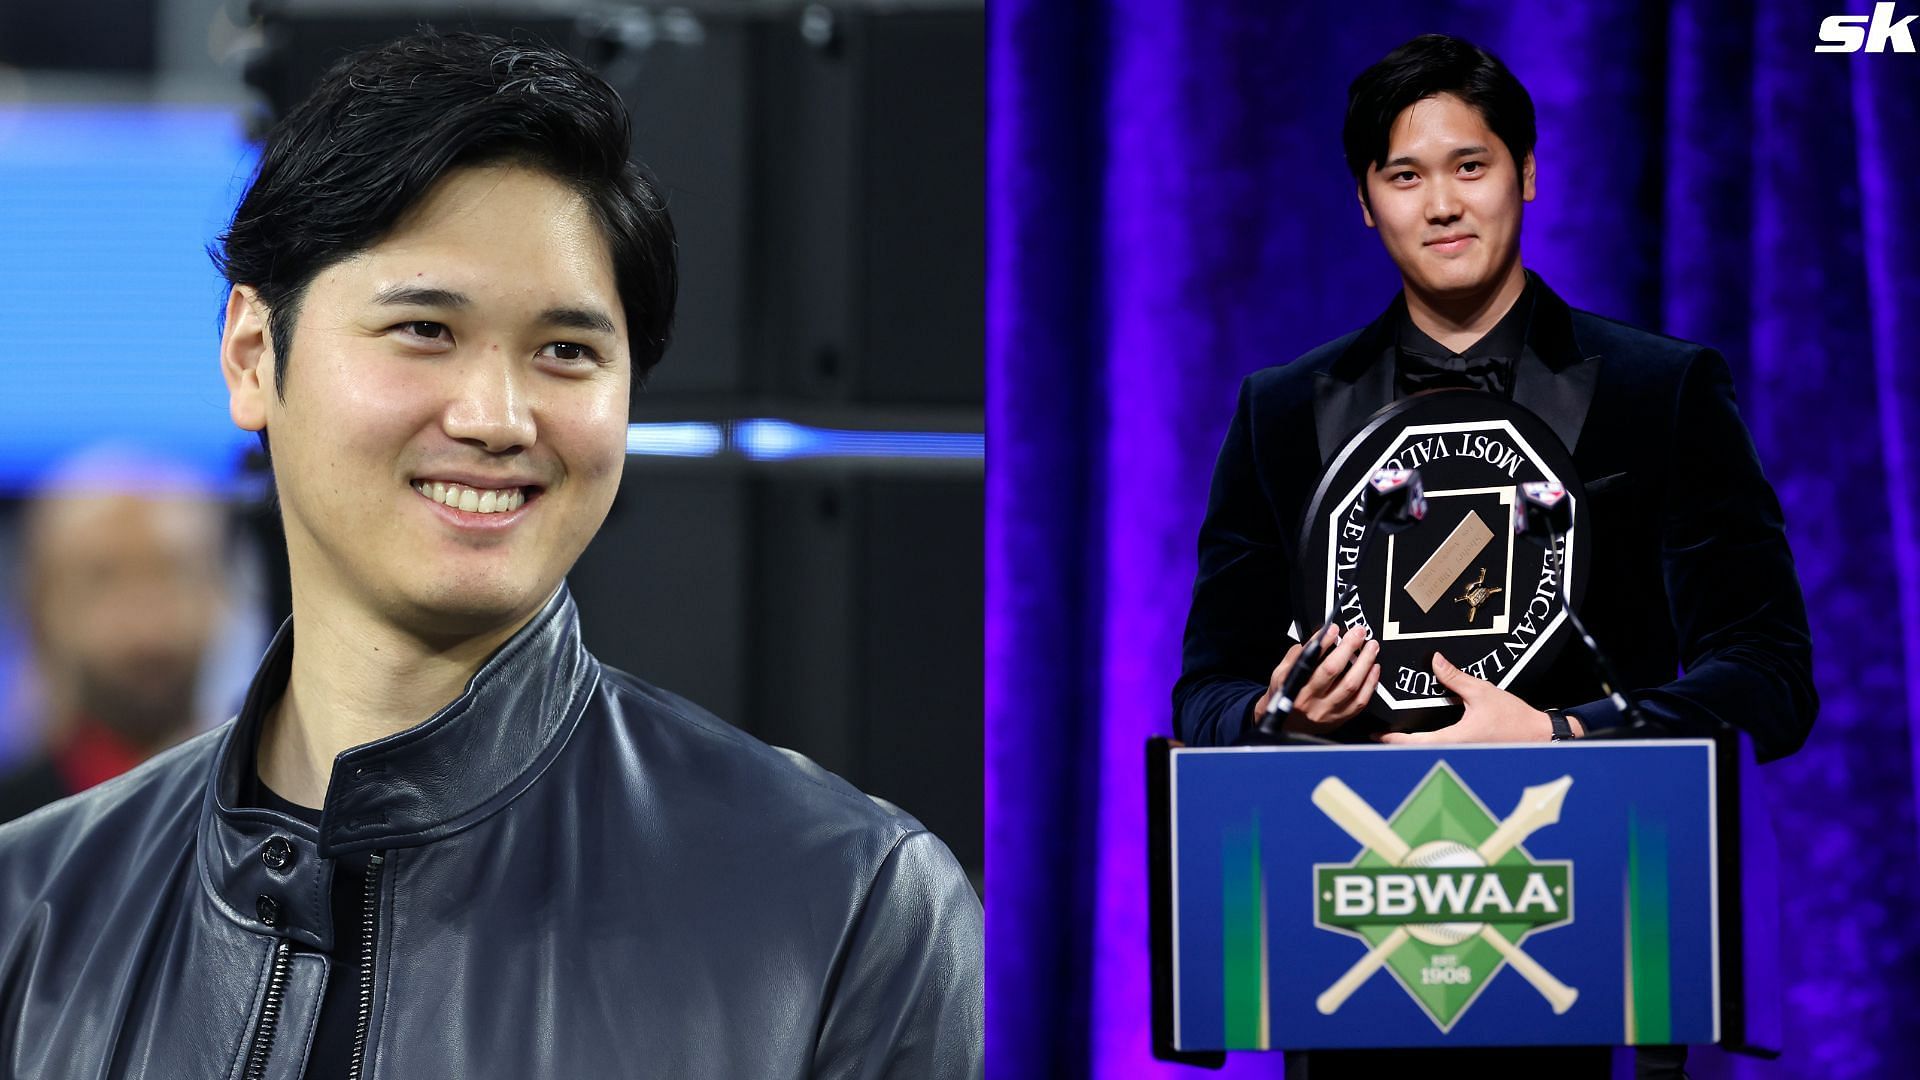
1690, 566
1691, 569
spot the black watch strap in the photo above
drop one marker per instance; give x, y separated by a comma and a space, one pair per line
1562, 730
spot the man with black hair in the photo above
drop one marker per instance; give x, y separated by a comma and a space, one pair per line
1439, 138
441, 839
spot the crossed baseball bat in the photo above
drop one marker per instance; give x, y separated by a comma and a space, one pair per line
1539, 807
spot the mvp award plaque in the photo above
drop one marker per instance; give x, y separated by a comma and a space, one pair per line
1461, 582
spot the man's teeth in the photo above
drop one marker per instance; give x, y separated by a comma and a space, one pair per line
472, 500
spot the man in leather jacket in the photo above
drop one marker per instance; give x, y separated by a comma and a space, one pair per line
441, 839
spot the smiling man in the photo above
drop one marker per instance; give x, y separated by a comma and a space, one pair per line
441, 839
1695, 577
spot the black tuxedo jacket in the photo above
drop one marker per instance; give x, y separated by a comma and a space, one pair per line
1692, 589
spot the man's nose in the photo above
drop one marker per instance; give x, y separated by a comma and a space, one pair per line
489, 408
1443, 202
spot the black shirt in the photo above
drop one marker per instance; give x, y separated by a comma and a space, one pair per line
1421, 363
339, 1010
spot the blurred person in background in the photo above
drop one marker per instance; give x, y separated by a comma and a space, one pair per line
122, 584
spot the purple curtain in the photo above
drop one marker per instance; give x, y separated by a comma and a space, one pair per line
1169, 211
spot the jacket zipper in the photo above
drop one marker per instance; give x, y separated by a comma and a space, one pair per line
369, 925
270, 1011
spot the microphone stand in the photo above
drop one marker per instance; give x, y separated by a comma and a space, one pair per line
1602, 667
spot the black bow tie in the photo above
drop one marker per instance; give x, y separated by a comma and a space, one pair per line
1424, 370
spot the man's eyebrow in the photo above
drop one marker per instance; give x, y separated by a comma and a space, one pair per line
420, 296
574, 318
570, 318
1464, 151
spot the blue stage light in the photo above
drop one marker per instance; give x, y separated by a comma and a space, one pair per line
776, 440
685, 439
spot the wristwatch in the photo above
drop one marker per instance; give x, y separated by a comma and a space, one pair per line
1562, 731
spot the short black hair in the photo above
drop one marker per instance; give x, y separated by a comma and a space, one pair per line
1429, 65
386, 123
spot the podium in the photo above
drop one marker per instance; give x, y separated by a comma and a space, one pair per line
1347, 897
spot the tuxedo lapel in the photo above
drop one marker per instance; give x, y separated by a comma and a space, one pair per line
1358, 384
1341, 408
1560, 398
1552, 378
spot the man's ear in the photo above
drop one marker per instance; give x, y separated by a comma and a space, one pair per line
1526, 178
246, 359
1366, 212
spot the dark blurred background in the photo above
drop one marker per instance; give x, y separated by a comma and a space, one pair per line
797, 545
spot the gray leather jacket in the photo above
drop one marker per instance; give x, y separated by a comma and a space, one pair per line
578, 876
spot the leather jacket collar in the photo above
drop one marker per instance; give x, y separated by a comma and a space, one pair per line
273, 873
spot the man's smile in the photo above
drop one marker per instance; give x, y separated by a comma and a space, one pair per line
467, 502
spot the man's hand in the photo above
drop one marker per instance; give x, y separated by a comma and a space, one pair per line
1336, 691
1492, 715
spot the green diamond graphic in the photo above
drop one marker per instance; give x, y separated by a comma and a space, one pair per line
1428, 898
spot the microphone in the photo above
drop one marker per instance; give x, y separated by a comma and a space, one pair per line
1543, 515
1392, 501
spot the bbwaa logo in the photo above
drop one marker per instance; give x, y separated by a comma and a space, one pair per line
1442, 892
1848, 33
